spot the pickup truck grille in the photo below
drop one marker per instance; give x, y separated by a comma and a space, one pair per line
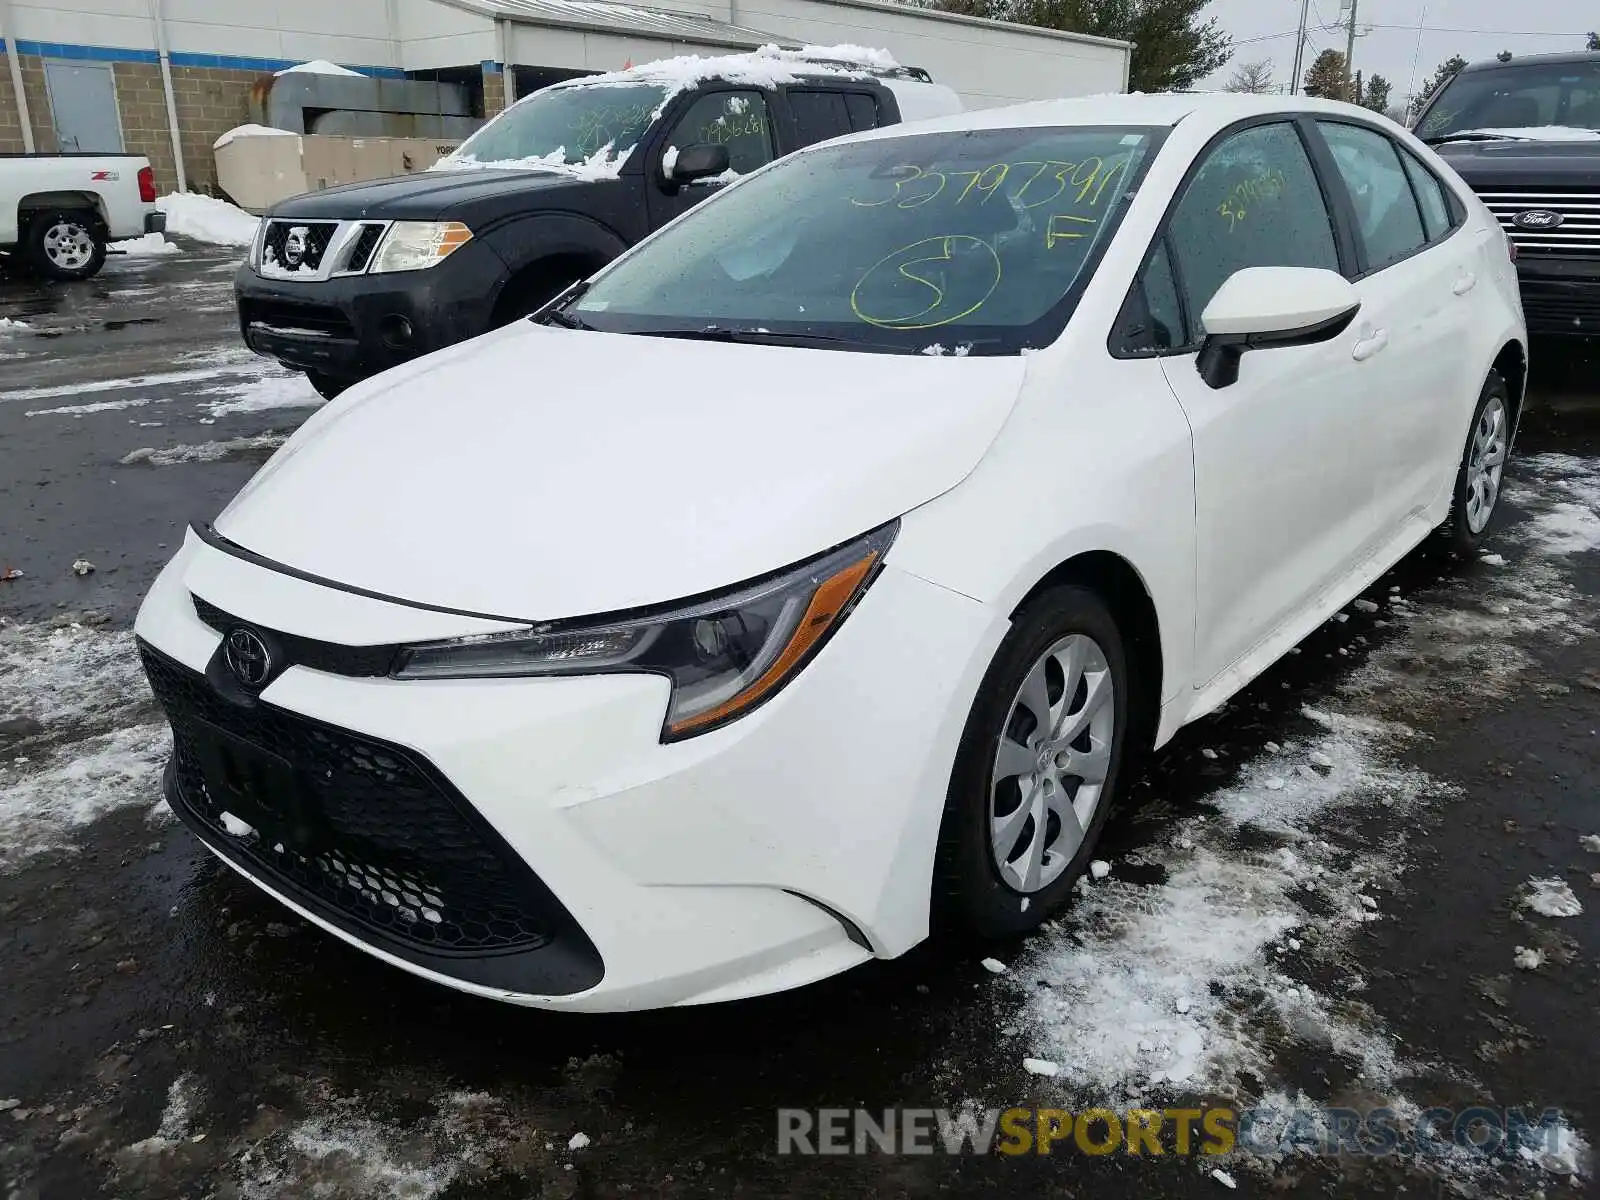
1577, 234
294, 246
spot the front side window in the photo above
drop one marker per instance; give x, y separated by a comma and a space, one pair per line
737, 120
564, 125
1532, 99
972, 239
1386, 209
1255, 202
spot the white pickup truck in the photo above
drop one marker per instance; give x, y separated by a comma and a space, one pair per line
59, 212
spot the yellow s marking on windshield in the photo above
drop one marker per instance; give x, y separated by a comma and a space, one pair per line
876, 291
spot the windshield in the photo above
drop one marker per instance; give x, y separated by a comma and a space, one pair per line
565, 125
1531, 100
969, 242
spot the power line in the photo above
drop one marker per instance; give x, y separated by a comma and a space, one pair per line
1562, 33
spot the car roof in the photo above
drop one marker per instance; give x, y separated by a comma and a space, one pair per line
1563, 58
1118, 108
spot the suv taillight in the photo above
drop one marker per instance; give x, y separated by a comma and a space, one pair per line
147, 185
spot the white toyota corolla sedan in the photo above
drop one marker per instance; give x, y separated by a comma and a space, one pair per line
805, 578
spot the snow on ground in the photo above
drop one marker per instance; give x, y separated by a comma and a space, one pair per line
168, 456
272, 387
150, 245
1196, 985
183, 1098
207, 219
97, 742
1551, 897
7, 325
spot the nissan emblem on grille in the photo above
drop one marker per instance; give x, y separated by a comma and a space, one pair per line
1537, 218
295, 245
248, 658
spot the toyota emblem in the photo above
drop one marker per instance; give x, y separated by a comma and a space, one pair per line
1537, 218
248, 657
295, 245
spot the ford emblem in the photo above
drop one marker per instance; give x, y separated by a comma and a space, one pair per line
1537, 218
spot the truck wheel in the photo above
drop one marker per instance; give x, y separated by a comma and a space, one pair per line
326, 386
66, 244
527, 294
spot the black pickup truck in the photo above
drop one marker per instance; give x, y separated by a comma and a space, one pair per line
344, 283
1525, 135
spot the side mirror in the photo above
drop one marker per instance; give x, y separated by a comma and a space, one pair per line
1264, 308
693, 162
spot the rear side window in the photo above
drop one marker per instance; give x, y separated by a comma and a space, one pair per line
1386, 209
1430, 197
819, 116
863, 110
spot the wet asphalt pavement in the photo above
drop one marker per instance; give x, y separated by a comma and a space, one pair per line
167, 1031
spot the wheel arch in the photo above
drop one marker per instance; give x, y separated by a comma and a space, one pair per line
1512, 362
35, 202
1119, 583
542, 243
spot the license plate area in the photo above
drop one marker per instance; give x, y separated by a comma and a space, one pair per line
260, 788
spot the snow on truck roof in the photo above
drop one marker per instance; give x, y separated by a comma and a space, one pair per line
768, 66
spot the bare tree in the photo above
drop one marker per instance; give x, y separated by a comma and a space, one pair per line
1255, 78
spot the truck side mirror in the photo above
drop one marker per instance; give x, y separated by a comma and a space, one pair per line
694, 162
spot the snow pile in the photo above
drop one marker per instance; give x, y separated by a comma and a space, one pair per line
1536, 133
183, 1097
207, 219
1571, 523
204, 452
148, 246
319, 66
269, 388
7, 325
252, 130
1551, 897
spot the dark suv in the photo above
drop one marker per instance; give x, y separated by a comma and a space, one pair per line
344, 283
1525, 135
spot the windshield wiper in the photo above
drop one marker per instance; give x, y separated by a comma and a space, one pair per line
772, 337
557, 314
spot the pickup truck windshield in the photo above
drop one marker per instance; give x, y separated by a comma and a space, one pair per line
1527, 100
967, 242
564, 125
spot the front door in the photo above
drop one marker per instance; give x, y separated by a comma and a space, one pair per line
739, 119
84, 101
1284, 466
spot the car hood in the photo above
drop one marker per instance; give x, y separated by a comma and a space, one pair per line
1525, 164
537, 473
429, 195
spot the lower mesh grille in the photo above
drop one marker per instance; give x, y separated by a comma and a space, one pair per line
357, 828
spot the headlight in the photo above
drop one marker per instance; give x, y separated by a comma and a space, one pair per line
413, 245
724, 655
256, 243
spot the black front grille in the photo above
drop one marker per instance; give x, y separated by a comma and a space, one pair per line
361, 251
398, 856
1561, 308
310, 240
332, 657
277, 314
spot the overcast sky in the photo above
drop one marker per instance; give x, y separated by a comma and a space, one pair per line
1474, 29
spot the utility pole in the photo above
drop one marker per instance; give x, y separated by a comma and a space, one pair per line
1350, 53
1299, 49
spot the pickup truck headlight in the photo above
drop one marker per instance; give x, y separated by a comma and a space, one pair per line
724, 655
416, 245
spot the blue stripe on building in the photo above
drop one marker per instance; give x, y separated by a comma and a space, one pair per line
227, 62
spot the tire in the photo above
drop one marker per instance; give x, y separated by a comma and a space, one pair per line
326, 386
1010, 891
65, 244
1479, 478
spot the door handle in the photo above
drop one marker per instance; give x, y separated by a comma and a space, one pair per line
1369, 345
1464, 283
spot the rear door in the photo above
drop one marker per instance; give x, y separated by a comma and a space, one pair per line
738, 118
84, 102
1415, 306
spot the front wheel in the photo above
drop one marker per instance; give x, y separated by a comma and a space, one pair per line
67, 245
1037, 767
1483, 464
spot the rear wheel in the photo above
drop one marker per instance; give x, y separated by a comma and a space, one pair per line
1037, 767
66, 244
1482, 470
326, 385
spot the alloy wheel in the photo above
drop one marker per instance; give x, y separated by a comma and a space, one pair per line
68, 245
1486, 464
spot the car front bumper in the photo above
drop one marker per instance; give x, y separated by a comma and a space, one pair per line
1560, 296
566, 857
352, 327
